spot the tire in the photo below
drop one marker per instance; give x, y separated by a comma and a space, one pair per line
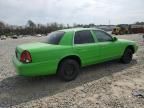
127, 56
68, 70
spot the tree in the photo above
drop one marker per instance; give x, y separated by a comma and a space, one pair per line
140, 23
32, 27
31, 24
2, 25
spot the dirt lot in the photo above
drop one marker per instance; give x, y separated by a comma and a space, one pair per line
106, 85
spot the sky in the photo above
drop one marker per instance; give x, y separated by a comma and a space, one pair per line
18, 12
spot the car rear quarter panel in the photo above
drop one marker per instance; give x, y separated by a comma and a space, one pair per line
51, 56
67, 39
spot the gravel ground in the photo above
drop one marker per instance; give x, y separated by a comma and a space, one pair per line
106, 85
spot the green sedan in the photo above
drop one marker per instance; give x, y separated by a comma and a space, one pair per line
65, 51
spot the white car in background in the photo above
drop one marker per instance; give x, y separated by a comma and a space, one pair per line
38, 35
3, 37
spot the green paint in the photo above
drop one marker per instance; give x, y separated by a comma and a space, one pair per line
46, 57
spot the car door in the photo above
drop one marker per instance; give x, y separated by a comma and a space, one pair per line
85, 47
109, 49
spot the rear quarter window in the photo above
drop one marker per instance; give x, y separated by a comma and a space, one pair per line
55, 37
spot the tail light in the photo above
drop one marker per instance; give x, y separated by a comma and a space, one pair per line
25, 57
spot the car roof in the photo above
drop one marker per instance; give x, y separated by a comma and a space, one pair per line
78, 29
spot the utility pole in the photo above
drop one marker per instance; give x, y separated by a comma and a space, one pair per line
109, 22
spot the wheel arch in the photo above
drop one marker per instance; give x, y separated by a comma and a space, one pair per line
73, 57
131, 47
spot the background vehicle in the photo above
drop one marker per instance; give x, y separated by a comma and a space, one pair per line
14, 37
121, 29
3, 37
128, 29
67, 50
38, 35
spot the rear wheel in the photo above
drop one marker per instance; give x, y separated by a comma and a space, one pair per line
68, 70
127, 56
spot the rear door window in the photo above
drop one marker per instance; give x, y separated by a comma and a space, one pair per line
82, 37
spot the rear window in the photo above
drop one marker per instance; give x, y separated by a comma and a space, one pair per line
55, 37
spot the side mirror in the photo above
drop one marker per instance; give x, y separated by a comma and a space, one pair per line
114, 38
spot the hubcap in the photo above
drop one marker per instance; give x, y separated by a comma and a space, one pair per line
128, 55
69, 70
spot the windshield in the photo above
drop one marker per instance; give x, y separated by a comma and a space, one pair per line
55, 37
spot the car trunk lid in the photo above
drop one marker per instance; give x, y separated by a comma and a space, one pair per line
31, 47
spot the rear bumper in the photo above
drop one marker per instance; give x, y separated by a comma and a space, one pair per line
34, 69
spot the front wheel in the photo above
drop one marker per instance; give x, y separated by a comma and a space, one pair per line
127, 56
68, 70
